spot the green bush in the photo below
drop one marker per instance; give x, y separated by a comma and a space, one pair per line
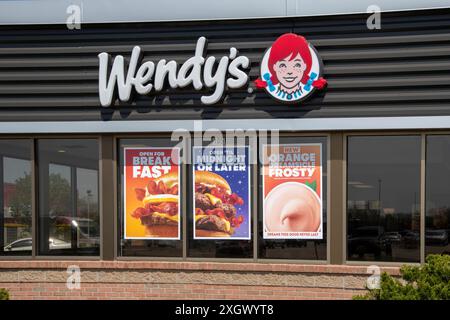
4, 295
430, 281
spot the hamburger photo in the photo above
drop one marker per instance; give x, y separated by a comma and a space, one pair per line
159, 211
215, 206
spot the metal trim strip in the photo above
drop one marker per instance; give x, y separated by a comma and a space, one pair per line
302, 125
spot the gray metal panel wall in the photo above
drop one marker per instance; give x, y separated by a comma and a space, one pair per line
50, 72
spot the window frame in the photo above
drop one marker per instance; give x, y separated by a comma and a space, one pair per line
118, 222
35, 196
327, 162
32, 163
337, 176
424, 177
254, 174
422, 135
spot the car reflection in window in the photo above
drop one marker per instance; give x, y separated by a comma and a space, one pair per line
26, 244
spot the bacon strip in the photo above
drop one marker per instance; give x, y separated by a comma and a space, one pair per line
154, 188
170, 208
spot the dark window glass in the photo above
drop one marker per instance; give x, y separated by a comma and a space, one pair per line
145, 247
16, 197
437, 219
215, 248
296, 248
68, 197
383, 196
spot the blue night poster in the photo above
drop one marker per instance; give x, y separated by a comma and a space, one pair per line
221, 192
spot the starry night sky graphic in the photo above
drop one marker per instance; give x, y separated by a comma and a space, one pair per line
239, 183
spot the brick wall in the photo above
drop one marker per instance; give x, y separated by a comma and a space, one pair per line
183, 280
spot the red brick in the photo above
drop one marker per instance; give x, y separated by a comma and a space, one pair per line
118, 290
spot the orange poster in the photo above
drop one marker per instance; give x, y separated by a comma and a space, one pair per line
292, 190
151, 193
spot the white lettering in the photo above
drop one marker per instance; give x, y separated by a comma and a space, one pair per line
230, 72
240, 77
143, 75
217, 79
164, 69
193, 64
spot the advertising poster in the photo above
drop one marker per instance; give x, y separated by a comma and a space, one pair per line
292, 190
221, 181
151, 193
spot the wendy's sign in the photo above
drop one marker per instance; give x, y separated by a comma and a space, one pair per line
198, 71
291, 69
290, 72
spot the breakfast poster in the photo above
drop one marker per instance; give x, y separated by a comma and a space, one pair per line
151, 193
221, 182
292, 191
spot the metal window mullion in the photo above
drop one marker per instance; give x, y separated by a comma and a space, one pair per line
115, 205
422, 197
184, 213
327, 163
34, 198
255, 171
186, 176
336, 223
108, 198
73, 207
344, 198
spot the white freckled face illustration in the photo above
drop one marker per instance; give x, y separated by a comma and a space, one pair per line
290, 71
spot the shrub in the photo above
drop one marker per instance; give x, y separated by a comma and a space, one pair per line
430, 281
4, 295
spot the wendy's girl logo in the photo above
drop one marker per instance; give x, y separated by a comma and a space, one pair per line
291, 69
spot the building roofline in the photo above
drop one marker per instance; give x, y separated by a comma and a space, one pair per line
36, 12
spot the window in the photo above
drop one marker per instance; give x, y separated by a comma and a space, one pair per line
383, 196
437, 217
220, 213
151, 189
216, 201
303, 245
68, 221
16, 197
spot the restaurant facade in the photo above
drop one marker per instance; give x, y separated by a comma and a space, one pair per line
267, 158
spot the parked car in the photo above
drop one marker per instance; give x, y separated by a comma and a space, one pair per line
436, 237
366, 240
411, 239
392, 236
25, 244
87, 229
